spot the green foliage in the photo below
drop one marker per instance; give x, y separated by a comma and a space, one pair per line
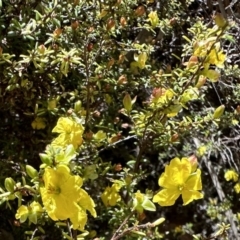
90, 117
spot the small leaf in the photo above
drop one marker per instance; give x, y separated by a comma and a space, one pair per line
38, 123
9, 184
173, 110
138, 233
148, 205
212, 75
142, 58
100, 135
189, 94
219, 112
66, 156
127, 102
219, 20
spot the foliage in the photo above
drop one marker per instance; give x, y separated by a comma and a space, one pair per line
95, 116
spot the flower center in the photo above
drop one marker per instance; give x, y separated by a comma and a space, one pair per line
180, 187
53, 190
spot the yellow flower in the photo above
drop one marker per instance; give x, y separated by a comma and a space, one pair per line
142, 202
110, 196
22, 213
238, 216
85, 203
153, 18
63, 198
38, 123
217, 58
70, 133
231, 175
237, 188
31, 212
179, 178
61, 192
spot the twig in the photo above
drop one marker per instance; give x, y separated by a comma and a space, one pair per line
134, 228
219, 190
114, 237
34, 232
222, 8
203, 60
69, 229
88, 66
144, 139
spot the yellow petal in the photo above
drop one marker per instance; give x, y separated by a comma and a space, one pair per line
166, 197
63, 125
231, 175
86, 202
79, 219
237, 188
22, 213
190, 195
194, 182
36, 207
38, 123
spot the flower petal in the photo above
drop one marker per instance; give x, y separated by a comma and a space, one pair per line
166, 197
190, 195
194, 181
63, 125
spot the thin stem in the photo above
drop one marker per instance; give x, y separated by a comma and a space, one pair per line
114, 237
88, 66
69, 229
34, 232
134, 228
202, 62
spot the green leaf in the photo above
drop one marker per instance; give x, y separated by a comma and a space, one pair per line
173, 110
9, 184
148, 205
219, 112
212, 75
67, 156
189, 94
127, 102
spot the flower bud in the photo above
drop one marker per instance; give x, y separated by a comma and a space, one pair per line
140, 11
110, 63
237, 109
193, 61
77, 106
121, 58
41, 49
90, 47
31, 172
174, 137
127, 102
74, 25
9, 184
122, 80
219, 20
201, 81
45, 158
123, 21
194, 162
158, 221
57, 32
110, 24
219, 112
